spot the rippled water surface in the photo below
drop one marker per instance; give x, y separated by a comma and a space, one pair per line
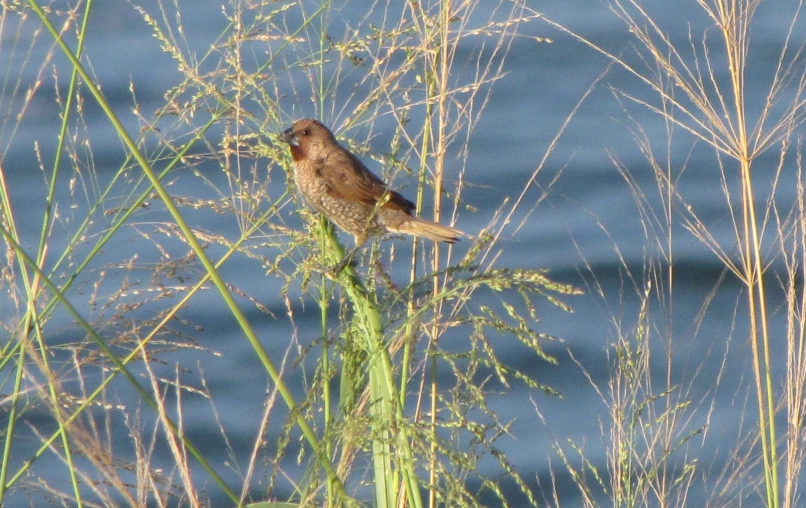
588, 230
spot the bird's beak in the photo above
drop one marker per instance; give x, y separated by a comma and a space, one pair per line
289, 137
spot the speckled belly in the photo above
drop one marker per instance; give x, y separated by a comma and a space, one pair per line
356, 218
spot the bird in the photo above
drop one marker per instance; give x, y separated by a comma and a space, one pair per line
339, 186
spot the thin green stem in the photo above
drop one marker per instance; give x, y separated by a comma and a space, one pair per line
388, 421
754, 263
32, 290
324, 299
140, 351
12, 421
200, 252
121, 367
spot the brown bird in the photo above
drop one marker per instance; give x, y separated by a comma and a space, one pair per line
340, 187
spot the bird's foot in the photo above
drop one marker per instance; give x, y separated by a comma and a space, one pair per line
345, 261
336, 269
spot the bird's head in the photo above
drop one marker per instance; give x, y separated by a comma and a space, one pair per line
308, 138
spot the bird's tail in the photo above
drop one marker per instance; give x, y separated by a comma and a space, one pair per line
431, 230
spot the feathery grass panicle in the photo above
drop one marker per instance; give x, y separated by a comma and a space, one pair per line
698, 90
108, 344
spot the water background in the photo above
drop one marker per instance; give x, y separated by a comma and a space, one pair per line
589, 218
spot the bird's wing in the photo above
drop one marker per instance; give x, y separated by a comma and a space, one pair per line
347, 178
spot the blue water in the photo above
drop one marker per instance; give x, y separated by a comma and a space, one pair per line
587, 231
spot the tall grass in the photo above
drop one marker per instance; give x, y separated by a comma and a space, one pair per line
105, 354
698, 90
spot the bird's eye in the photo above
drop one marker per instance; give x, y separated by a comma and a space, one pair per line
305, 132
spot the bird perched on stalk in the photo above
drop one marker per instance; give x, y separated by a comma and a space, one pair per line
339, 186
